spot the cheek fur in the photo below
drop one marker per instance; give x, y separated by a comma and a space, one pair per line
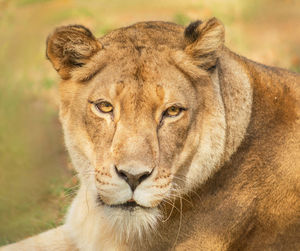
100, 131
172, 138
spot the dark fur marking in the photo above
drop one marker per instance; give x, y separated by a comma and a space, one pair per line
139, 48
86, 30
190, 32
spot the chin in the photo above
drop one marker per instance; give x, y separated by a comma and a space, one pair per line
130, 222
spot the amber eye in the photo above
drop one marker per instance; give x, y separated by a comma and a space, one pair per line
173, 111
104, 107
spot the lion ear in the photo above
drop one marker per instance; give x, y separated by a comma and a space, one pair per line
69, 47
204, 41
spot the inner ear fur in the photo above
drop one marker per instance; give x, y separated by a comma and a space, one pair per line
204, 40
69, 47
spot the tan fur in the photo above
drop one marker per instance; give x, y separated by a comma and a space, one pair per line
53, 240
222, 175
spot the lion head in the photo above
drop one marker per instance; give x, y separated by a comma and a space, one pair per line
142, 114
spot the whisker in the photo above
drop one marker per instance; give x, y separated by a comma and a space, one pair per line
185, 199
192, 190
86, 200
170, 213
171, 204
179, 227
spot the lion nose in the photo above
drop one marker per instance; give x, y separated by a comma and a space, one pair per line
133, 180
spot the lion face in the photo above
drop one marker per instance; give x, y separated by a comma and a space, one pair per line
142, 122
137, 127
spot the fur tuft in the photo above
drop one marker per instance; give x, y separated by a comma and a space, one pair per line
133, 225
190, 33
204, 42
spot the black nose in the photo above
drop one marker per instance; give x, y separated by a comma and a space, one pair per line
133, 180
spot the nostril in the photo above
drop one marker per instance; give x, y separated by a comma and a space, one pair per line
144, 176
122, 174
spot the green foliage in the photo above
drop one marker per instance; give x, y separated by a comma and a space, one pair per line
181, 18
295, 68
48, 83
28, 2
67, 13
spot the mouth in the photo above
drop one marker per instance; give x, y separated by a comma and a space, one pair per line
130, 205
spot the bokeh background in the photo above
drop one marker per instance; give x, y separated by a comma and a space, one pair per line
37, 182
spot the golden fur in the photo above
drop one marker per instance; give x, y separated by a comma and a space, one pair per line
223, 174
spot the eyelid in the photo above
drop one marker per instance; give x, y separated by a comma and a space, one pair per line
97, 110
164, 112
97, 101
178, 104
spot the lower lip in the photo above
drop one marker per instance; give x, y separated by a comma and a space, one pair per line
129, 205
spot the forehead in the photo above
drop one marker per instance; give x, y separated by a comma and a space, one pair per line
137, 58
150, 75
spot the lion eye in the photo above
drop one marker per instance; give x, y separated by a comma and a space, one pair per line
173, 111
104, 107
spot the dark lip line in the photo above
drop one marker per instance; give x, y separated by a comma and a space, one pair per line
129, 205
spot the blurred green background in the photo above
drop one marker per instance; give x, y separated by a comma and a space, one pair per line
36, 179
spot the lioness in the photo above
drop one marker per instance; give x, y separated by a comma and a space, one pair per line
178, 142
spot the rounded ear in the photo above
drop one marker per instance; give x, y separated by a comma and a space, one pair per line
204, 40
69, 47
